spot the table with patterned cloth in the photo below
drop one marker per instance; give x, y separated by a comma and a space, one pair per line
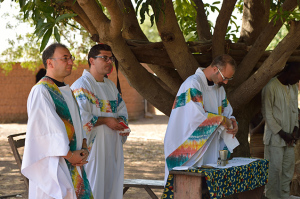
227, 181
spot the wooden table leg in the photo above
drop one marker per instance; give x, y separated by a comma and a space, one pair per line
125, 189
150, 192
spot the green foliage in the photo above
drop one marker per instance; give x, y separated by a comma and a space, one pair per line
156, 5
239, 6
47, 17
231, 33
150, 31
186, 16
26, 48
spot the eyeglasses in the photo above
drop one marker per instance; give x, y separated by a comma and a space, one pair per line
65, 59
224, 78
106, 58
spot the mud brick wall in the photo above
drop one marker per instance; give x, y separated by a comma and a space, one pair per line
15, 88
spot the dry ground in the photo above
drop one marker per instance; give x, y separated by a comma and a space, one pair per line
143, 155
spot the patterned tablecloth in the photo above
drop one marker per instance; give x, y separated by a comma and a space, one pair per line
224, 182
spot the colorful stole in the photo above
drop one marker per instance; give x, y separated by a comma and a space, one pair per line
81, 184
198, 138
106, 106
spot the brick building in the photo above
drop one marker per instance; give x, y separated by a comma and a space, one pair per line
15, 88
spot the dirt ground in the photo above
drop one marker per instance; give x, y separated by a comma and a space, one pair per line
143, 157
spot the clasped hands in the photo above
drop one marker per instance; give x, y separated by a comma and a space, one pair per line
78, 157
290, 138
230, 125
113, 123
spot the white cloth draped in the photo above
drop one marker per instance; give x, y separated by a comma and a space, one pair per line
46, 141
105, 168
189, 111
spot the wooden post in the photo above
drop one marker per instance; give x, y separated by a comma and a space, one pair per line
187, 185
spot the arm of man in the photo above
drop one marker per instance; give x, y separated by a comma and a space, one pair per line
267, 111
296, 133
229, 121
82, 96
122, 114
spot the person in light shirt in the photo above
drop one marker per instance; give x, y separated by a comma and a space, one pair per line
280, 111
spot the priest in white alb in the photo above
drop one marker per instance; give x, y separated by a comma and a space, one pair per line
55, 145
201, 119
102, 108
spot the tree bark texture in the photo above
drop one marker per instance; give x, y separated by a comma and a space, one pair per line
174, 42
221, 27
255, 19
246, 66
203, 27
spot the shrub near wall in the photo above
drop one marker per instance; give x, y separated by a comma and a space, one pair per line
15, 88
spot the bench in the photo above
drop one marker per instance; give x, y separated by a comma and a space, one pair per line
17, 141
148, 185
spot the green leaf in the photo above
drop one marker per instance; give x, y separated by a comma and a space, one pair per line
44, 28
142, 12
50, 19
137, 6
46, 39
22, 3
216, 2
44, 6
152, 20
65, 16
25, 7
56, 34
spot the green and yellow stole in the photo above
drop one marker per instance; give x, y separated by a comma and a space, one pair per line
81, 184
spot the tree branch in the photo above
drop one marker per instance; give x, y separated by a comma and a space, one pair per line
271, 66
81, 17
116, 16
246, 66
255, 18
131, 28
174, 42
218, 41
203, 27
169, 76
95, 15
139, 77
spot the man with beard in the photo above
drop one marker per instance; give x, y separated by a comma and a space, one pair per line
200, 108
101, 109
280, 111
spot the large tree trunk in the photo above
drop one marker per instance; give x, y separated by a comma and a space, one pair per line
255, 19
